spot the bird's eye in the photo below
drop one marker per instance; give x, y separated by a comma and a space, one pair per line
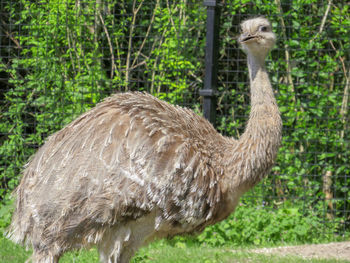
263, 28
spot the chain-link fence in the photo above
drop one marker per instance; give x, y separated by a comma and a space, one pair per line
59, 58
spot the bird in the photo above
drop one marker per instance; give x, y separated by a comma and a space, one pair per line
134, 169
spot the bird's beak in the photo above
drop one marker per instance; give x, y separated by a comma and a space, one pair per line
246, 37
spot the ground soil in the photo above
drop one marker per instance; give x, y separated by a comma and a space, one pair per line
339, 250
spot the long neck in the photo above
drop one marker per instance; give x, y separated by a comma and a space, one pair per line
260, 86
252, 156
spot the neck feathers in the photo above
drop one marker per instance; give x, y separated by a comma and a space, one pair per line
252, 156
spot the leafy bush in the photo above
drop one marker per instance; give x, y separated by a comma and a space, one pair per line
252, 225
6, 210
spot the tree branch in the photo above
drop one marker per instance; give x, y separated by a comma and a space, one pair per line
127, 67
286, 47
345, 100
109, 44
323, 22
146, 36
10, 35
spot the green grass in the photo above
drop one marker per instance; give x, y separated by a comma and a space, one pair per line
163, 252
10, 252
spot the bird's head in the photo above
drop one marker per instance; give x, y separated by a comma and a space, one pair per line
257, 37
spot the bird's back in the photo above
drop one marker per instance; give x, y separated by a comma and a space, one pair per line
128, 156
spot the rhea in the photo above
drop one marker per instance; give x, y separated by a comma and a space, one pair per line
135, 168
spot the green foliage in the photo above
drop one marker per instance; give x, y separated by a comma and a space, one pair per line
6, 209
173, 62
253, 225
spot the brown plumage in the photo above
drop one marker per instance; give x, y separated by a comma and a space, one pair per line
135, 168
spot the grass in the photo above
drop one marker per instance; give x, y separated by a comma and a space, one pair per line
163, 252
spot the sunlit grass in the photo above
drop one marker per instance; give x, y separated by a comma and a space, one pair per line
162, 252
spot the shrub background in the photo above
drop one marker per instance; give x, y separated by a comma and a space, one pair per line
59, 58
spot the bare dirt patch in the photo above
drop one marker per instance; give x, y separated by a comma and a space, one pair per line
338, 250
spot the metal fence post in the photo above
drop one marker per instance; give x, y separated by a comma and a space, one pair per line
211, 60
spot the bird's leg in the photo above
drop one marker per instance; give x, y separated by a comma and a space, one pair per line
118, 247
111, 246
119, 243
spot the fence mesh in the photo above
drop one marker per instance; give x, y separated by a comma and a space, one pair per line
59, 58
